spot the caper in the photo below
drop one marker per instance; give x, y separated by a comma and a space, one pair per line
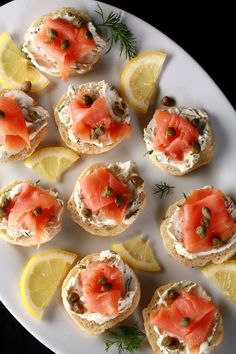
136, 180
206, 212
199, 124
119, 200
185, 321
89, 35
87, 212
65, 44
78, 307
2, 114
201, 231
166, 342
106, 287
196, 147
107, 192
118, 111
53, 34
217, 241
33, 116
26, 86
95, 133
170, 342
205, 222
172, 294
168, 101
102, 280
73, 297
87, 100
170, 132
37, 211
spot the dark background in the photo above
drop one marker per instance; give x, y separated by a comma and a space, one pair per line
207, 32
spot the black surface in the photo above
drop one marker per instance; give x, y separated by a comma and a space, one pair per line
207, 35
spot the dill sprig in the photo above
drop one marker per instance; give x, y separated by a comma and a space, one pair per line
163, 188
119, 33
127, 339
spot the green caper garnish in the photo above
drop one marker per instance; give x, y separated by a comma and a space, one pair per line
206, 212
185, 321
136, 180
87, 213
171, 342
107, 192
166, 342
87, 100
95, 133
65, 44
53, 34
168, 101
106, 287
2, 114
217, 241
78, 307
201, 231
73, 297
170, 132
119, 200
205, 222
89, 35
37, 211
196, 147
102, 280
172, 294
26, 86
118, 111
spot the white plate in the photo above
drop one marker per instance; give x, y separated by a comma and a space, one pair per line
191, 86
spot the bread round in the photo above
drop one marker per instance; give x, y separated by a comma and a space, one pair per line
82, 147
205, 155
92, 327
152, 335
47, 234
27, 151
199, 261
32, 56
104, 231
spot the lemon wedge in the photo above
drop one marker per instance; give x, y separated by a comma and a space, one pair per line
224, 277
138, 79
138, 254
41, 277
15, 69
50, 162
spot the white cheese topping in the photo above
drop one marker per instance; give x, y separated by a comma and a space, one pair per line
29, 110
122, 170
189, 159
124, 302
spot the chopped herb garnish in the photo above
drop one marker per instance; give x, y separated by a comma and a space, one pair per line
148, 152
37, 211
185, 196
107, 192
163, 188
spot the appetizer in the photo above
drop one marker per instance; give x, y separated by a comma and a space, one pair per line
100, 292
23, 124
201, 228
181, 318
92, 118
107, 198
29, 215
63, 43
179, 140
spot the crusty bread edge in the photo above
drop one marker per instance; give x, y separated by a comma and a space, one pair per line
91, 327
152, 335
32, 240
200, 261
104, 231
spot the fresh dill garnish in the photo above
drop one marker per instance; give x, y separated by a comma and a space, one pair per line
185, 196
127, 339
119, 32
163, 188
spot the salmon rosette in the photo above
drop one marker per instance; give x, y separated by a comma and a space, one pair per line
100, 291
201, 228
29, 215
181, 318
179, 140
23, 124
107, 198
92, 118
63, 43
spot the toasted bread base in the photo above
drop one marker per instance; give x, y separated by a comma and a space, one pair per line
200, 261
152, 335
91, 327
84, 68
48, 234
103, 231
27, 151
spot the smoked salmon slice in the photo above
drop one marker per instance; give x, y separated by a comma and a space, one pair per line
183, 134
97, 298
94, 186
65, 43
87, 118
13, 131
31, 209
198, 312
221, 224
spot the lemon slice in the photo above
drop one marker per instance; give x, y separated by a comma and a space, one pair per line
138, 79
224, 277
15, 69
41, 277
50, 162
138, 254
